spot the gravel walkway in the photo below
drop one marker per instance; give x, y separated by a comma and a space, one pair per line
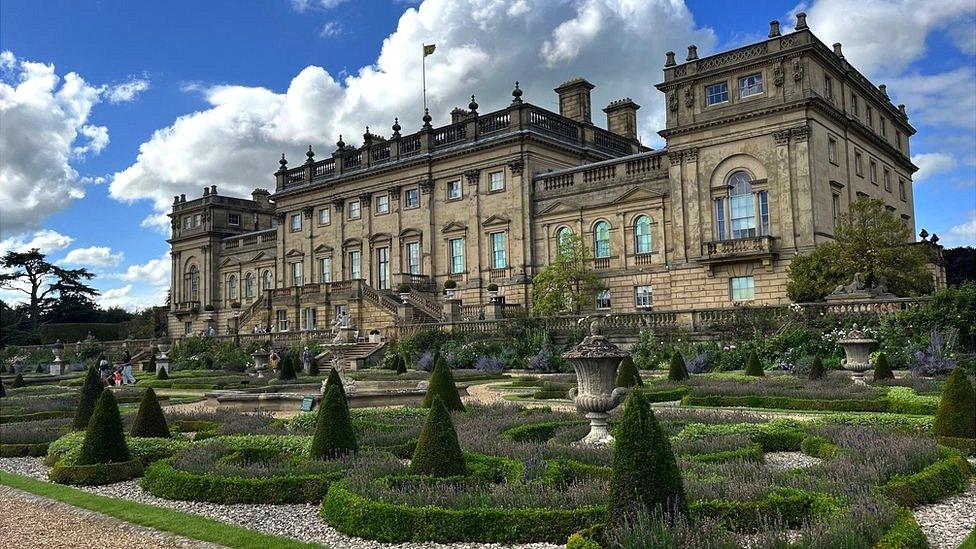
298, 521
947, 523
33, 521
785, 461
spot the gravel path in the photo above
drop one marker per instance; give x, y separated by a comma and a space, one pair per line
298, 521
949, 521
33, 521
785, 461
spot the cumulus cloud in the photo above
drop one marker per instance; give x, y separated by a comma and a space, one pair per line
302, 6
930, 164
330, 29
47, 241
126, 91
619, 45
963, 234
159, 223
154, 272
93, 256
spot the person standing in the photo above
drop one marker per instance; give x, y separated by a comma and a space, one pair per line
274, 359
307, 358
127, 376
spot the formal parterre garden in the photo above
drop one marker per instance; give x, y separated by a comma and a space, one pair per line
754, 455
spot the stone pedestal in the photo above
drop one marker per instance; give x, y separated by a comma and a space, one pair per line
452, 310
495, 309
162, 363
595, 361
405, 312
260, 358
347, 334
57, 367
857, 349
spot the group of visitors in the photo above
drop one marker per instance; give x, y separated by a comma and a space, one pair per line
259, 329
274, 359
120, 374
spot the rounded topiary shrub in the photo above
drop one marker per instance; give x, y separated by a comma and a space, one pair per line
644, 475
150, 421
817, 369
753, 366
438, 451
881, 368
90, 391
401, 364
442, 385
104, 439
677, 370
161, 373
956, 416
19, 382
334, 435
627, 374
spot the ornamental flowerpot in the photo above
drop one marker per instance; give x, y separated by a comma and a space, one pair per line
857, 349
595, 362
164, 346
405, 296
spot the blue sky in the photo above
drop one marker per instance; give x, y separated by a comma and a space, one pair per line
172, 96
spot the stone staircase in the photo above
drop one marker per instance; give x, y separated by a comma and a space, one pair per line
355, 355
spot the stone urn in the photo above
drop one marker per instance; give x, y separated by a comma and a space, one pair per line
57, 368
857, 348
595, 361
260, 357
164, 346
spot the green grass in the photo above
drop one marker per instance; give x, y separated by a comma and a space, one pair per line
160, 518
970, 541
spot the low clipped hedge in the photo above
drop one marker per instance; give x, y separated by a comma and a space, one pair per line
537, 432
192, 425
66, 449
97, 474
788, 403
163, 480
753, 452
36, 416
904, 533
946, 476
356, 515
818, 447
967, 445
24, 450
791, 507
666, 395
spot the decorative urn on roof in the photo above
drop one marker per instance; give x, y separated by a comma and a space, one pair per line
595, 361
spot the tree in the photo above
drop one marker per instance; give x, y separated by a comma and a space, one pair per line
19, 382
401, 364
869, 240
438, 451
627, 374
678, 370
43, 282
90, 391
956, 416
441, 384
150, 421
569, 282
335, 380
104, 438
287, 370
960, 265
881, 368
753, 366
644, 475
334, 434
817, 369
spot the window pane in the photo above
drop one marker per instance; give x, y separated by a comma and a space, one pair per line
413, 258
296, 222
603, 299
763, 213
742, 288
457, 255
382, 204
743, 215
642, 235
325, 269
717, 93
750, 85
354, 210
454, 190
324, 216
413, 198
498, 251
354, 271
601, 240
643, 297
720, 219
383, 268
496, 181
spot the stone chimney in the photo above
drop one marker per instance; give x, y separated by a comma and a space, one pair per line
774, 29
801, 21
262, 197
622, 118
838, 51
574, 99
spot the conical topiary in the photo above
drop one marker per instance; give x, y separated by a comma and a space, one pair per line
753, 366
644, 474
19, 382
817, 370
161, 373
441, 385
677, 370
956, 416
104, 439
150, 365
401, 365
3, 390
335, 380
313, 367
90, 391
881, 368
438, 451
150, 421
627, 374
287, 370
334, 435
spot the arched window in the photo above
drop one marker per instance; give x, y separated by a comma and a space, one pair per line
249, 285
642, 234
193, 283
232, 287
747, 210
562, 235
601, 240
266, 280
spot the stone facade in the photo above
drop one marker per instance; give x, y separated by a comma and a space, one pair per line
766, 146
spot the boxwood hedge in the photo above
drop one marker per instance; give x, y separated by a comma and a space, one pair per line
96, 474
946, 476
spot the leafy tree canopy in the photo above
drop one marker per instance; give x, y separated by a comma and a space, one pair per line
46, 286
569, 282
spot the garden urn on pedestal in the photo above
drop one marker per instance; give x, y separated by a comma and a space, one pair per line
162, 361
595, 361
57, 368
857, 348
260, 357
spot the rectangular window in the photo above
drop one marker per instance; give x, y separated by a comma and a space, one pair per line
828, 88
873, 171
717, 93
383, 204
898, 139
902, 193
325, 270
496, 181
325, 216
234, 219
355, 270
296, 222
187, 327
858, 163
887, 180
603, 299
832, 150
855, 106
720, 218
742, 288
498, 259
412, 198
643, 297
870, 117
763, 212
296, 273
198, 220
835, 209
282, 317
457, 255
751, 85
308, 318
453, 190
413, 258
383, 268
743, 215
186, 222
355, 209
884, 128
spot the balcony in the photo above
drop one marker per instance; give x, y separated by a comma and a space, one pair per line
186, 308
739, 249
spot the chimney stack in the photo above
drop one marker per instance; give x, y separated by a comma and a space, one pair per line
669, 56
692, 53
206, 191
574, 99
262, 197
774, 29
213, 189
883, 89
622, 118
837, 51
801, 21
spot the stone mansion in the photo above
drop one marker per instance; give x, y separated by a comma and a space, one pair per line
767, 145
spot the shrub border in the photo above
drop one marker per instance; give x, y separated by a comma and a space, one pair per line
97, 474
36, 416
787, 403
38, 449
940, 479
752, 452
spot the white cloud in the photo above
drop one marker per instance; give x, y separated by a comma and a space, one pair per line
97, 140
963, 234
131, 301
155, 272
930, 164
46, 241
126, 91
330, 29
159, 223
236, 142
93, 256
302, 6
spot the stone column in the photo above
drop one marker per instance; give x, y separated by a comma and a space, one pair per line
677, 207
783, 191
452, 310
692, 204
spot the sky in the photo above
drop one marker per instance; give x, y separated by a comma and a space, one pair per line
109, 108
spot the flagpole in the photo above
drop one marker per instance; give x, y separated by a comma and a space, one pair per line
423, 71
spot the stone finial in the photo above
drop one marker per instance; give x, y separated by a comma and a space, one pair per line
473, 106
669, 59
340, 144
901, 109
517, 94
934, 239
283, 163
310, 155
774, 29
923, 235
801, 20
213, 189
427, 118
176, 199
206, 191
183, 197
396, 127
367, 137
883, 89
692, 53
838, 51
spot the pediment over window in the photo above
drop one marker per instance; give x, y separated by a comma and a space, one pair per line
495, 221
637, 193
262, 256
227, 261
294, 253
560, 206
454, 227
322, 249
352, 242
410, 233
380, 237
